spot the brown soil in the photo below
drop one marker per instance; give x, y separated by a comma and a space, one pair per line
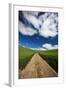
37, 68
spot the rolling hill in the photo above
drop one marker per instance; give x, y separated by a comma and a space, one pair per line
50, 56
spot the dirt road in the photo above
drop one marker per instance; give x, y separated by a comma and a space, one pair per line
37, 68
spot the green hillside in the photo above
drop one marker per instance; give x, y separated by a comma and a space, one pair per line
25, 54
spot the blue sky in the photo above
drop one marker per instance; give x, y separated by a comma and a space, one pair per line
38, 30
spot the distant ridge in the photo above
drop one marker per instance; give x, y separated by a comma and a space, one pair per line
41, 49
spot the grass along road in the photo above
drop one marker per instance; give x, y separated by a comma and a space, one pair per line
37, 68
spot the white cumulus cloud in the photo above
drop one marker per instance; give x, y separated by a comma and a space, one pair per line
49, 46
32, 19
49, 28
48, 22
26, 30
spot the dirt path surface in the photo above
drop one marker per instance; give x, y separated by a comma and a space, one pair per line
37, 68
